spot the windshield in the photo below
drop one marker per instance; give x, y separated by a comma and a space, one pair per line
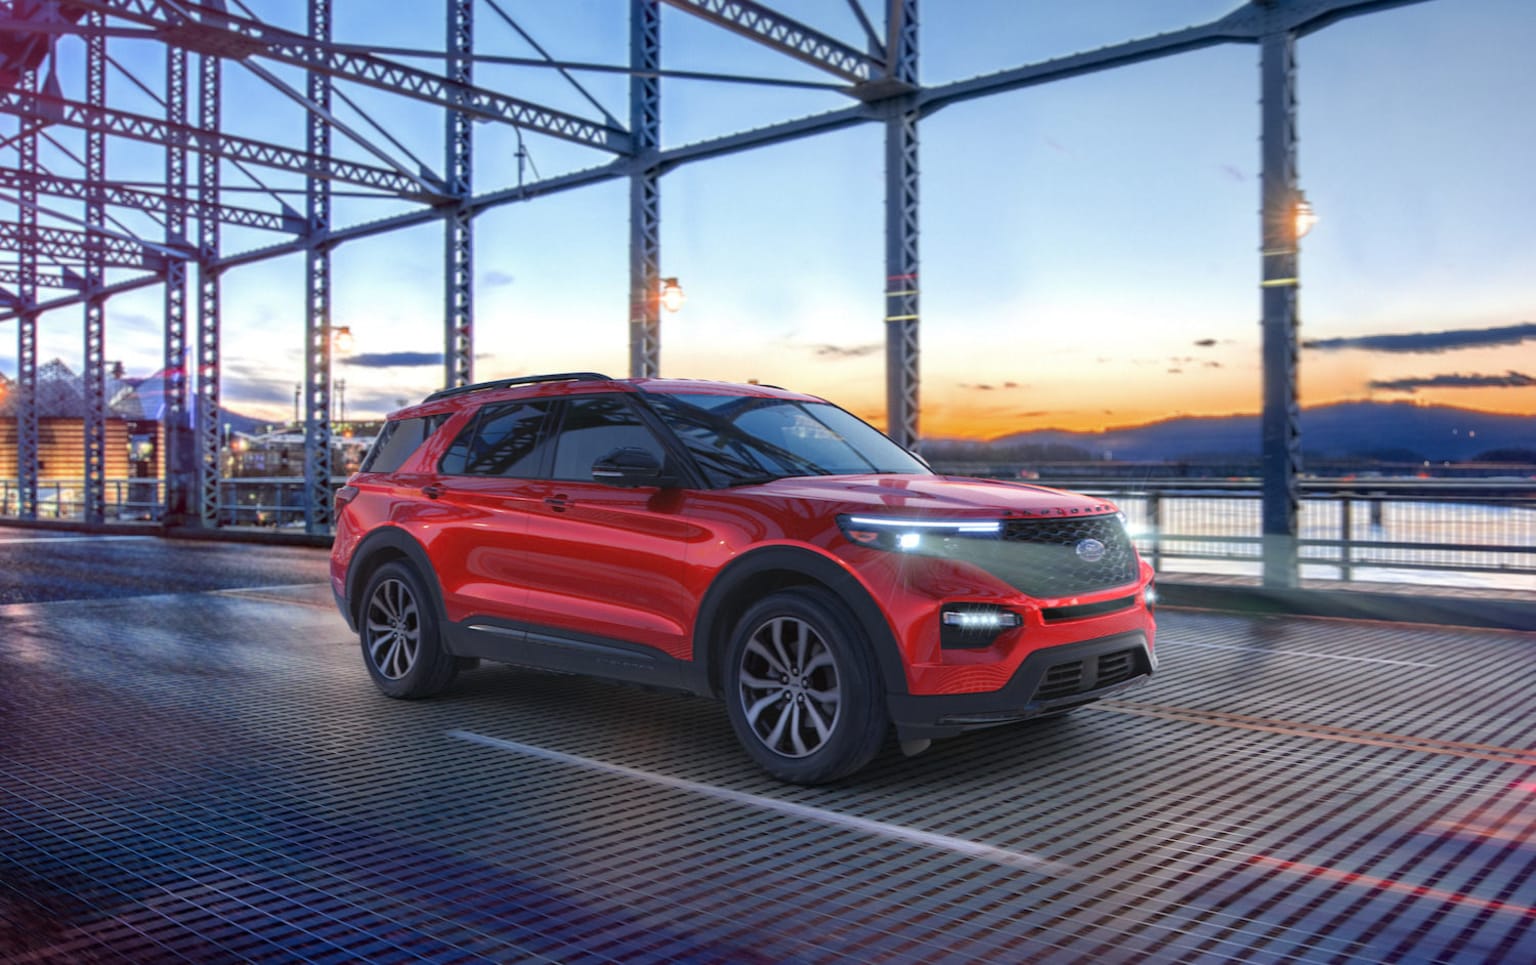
746, 439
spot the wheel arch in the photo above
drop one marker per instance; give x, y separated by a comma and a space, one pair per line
768, 570
386, 545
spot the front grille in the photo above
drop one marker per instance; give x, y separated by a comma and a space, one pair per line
1082, 611
1048, 558
1081, 676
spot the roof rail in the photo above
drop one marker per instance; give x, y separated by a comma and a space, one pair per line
524, 380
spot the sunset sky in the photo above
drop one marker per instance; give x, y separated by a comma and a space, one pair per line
1089, 248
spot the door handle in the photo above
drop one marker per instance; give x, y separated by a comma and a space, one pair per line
558, 503
431, 492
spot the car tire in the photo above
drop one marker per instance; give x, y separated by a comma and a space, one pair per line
802, 689
398, 629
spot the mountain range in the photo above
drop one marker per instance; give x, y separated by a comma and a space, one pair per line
1386, 431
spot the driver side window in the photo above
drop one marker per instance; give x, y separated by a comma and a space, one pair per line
593, 427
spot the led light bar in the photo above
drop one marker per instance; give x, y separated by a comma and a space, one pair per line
978, 526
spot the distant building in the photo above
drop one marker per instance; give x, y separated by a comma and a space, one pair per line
133, 436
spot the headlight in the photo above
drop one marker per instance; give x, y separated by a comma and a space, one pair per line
909, 535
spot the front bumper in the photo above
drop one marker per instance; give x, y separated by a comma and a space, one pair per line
1049, 680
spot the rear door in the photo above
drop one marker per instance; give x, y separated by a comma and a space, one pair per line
477, 509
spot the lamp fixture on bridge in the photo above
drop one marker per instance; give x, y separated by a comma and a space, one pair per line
672, 296
1305, 216
341, 338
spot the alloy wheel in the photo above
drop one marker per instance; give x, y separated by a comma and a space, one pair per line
789, 687
394, 629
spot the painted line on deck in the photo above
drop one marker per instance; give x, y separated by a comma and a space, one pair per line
804, 812
1303, 653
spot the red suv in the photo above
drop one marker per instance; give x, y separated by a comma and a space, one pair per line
738, 541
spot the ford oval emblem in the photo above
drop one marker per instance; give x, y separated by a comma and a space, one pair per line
1091, 550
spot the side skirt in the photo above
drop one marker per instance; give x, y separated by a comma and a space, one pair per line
542, 648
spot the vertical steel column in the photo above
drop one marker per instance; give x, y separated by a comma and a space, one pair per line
26, 322
206, 408
175, 460
458, 226
1281, 414
94, 377
901, 236
317, 318
645, 190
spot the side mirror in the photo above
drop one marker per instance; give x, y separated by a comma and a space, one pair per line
628, 467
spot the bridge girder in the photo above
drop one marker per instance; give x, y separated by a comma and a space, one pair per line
140, 127
225, 34
117, 194
788, 36
66, 244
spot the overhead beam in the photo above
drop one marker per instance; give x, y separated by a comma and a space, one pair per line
1303, 17
228, 35
18, 277
778, 32
140, 127
119, 195
68, 245
1240, 26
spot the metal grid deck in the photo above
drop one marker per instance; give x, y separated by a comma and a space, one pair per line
208, 775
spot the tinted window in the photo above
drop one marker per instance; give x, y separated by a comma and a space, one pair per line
595, 426
397, 441
502, 440
744, 439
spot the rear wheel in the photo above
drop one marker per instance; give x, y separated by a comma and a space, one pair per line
399, 633
802, 692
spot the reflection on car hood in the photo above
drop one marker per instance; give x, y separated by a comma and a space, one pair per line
939, 496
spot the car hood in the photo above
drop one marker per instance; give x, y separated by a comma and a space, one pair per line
938, 496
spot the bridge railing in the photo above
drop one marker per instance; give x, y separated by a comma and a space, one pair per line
1448, 532
275, 502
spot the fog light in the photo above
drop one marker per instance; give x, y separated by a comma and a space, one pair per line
974, 626
981, 619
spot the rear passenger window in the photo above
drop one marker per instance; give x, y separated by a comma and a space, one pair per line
502, 440
397, 441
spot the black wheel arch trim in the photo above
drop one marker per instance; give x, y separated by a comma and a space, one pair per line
817, 568
390, 538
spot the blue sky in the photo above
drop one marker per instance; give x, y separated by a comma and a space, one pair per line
1089, 248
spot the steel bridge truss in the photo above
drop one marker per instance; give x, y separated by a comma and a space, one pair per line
91, 257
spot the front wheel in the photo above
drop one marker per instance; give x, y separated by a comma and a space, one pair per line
802, 689
399, 634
